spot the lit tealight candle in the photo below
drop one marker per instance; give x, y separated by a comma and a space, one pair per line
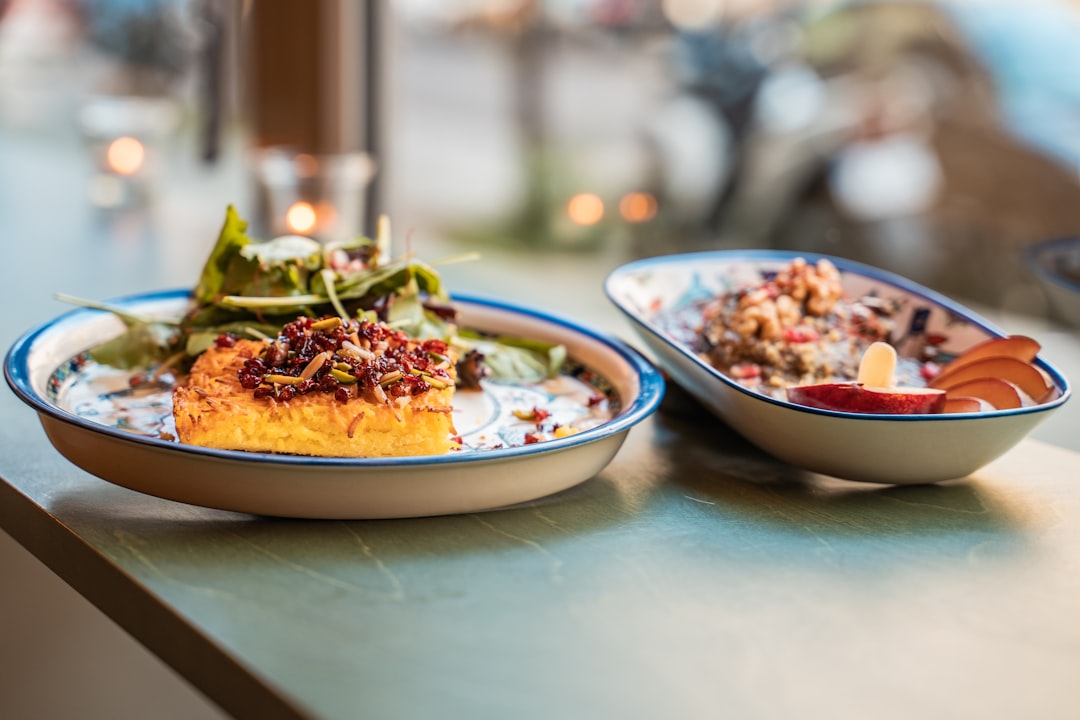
301, 218
125, 155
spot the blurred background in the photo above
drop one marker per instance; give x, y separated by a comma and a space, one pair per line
939, 140
935, 139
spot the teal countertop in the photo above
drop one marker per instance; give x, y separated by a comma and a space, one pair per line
693, 577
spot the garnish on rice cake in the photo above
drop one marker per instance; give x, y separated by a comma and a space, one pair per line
325, 387
250, 288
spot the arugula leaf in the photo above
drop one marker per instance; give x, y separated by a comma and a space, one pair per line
142, 345
144, 342
374, 282
238, 266
281, 267
515, 359
231, 240
428, 280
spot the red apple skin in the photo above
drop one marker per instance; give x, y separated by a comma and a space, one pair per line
856, 398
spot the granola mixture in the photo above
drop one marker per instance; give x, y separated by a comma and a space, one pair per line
797, 327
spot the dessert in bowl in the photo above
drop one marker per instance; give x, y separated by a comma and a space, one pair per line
749, 331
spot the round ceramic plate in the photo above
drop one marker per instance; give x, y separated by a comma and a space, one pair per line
110, 425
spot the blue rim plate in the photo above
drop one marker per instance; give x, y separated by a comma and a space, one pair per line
317, 487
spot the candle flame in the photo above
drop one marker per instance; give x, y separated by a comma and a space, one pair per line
301, 218
125, 155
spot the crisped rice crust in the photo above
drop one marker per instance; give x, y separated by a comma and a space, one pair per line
211, 409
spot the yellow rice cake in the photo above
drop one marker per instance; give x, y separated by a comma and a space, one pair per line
212, 409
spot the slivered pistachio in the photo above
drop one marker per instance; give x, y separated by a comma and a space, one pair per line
390, 377
343, 366
435, 382
326, 324
343, 377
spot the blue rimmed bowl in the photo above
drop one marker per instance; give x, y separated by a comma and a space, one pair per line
658, 296
1056, 264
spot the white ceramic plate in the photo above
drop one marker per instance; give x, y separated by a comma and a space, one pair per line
46, 368
657, 295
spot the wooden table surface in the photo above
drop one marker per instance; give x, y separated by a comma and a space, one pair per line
694, 577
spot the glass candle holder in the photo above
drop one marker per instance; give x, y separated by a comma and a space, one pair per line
124, 135
321, 196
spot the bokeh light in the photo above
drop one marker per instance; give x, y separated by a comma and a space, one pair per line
301, 218
637, 207
585, 209
125, 155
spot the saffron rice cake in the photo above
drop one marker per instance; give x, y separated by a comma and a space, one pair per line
347, 390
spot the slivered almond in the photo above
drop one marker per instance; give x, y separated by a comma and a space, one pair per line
314, 366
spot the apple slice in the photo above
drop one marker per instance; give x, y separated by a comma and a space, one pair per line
1020, 373
873, 391
1020, 347
965, 404
858, 398
1001, 395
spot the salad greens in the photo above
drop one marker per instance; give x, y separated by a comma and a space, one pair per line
251, 289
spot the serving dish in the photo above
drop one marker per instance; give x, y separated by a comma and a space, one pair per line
1056, 264
47, 368
658, 295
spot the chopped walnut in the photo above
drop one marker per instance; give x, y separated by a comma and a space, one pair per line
796, 326
797, 291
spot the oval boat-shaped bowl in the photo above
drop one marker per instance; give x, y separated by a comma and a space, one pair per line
899, 449
325, 487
